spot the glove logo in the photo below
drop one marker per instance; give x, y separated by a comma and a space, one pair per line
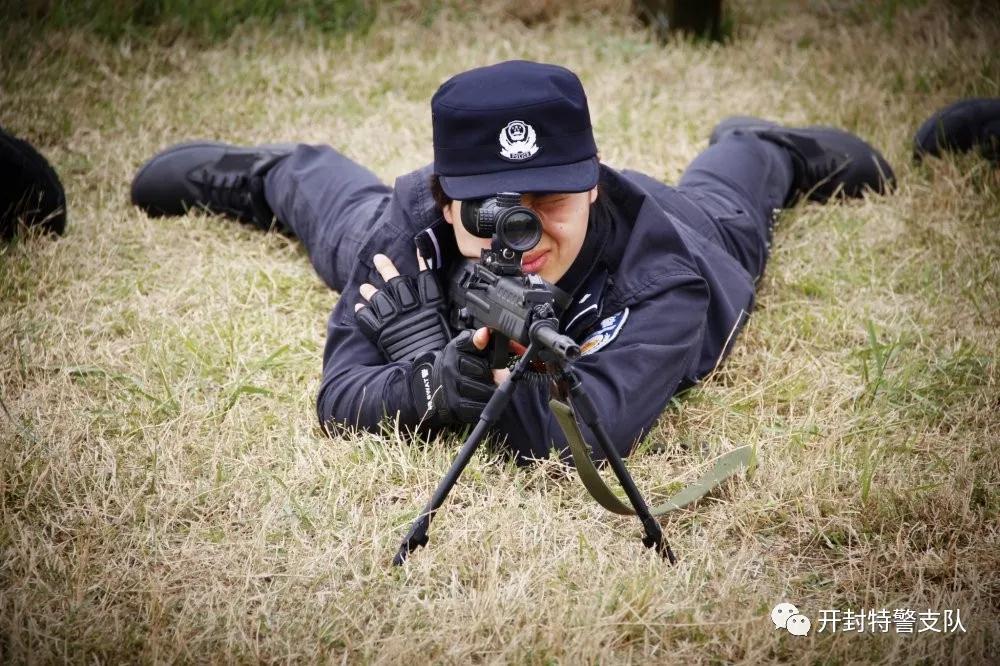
425, 378
607, 330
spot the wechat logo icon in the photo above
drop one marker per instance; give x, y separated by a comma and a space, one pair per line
787, 616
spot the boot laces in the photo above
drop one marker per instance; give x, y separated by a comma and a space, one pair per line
226, 190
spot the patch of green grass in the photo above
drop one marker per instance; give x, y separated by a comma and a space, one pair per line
214, 19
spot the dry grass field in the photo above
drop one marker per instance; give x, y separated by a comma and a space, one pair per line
165, 491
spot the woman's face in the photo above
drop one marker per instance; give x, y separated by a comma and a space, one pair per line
564, 226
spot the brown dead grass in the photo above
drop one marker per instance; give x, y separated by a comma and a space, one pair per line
166, 495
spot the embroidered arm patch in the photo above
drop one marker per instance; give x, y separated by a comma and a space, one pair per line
605, 333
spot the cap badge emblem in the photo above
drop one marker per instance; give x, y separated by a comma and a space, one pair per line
517, 141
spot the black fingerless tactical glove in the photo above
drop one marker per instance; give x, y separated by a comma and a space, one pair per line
454, 384
406, 318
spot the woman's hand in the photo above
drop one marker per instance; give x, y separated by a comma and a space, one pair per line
406, 317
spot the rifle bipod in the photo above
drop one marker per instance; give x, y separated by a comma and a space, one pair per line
417, 535
579, 399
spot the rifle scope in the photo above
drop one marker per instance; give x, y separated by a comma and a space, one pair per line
515, 226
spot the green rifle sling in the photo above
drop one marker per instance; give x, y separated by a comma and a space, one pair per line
724, 466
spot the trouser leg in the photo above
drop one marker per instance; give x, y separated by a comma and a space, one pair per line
740, 182
330, 203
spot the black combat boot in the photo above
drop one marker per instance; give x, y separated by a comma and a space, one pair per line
960, 127
216, 177
826, 160
30, 191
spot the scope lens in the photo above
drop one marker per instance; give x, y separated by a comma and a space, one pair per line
519, 229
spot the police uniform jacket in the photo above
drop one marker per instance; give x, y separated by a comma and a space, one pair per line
656, 301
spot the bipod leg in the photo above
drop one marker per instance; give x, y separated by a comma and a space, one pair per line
584, 407
417, 536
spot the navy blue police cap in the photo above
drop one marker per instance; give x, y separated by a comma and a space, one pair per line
516, 126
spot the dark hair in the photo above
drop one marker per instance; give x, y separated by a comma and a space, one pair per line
440, 198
